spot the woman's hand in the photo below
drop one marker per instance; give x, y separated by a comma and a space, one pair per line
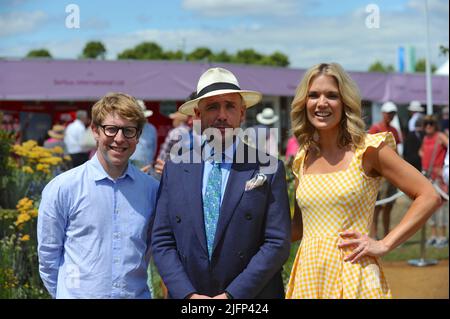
362, 245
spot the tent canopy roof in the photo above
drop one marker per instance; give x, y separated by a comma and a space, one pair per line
48, 79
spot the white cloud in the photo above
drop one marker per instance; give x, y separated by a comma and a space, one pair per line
20, 22
216, 8
306, 40
434, 6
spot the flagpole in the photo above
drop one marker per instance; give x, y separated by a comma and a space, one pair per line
427, 65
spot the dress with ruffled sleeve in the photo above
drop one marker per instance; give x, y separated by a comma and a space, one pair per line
330, 204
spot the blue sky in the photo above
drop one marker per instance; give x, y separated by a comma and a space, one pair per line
309, 31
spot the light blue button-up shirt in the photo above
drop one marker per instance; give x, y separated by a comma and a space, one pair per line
225, 166
94, 233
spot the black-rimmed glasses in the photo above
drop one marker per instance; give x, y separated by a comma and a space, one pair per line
127, 131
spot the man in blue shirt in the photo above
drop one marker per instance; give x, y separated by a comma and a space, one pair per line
94, 220
146, 148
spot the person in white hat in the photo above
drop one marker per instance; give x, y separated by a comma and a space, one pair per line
266, 119
388, 110
416, 110
146, 148
222, 227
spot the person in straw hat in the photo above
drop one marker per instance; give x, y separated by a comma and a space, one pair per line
416, 110
222, 227
388, 111
56, 137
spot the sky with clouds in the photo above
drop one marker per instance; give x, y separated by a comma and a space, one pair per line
308, 31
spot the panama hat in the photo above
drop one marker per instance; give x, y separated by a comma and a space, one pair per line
415, 106
57, 132
147, 113
218, 81
178, 116
389, 107
267, 116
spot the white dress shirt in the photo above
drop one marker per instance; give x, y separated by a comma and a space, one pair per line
73, 137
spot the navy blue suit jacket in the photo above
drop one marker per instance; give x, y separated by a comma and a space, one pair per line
252, 239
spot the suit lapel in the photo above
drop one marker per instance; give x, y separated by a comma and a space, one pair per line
192, 183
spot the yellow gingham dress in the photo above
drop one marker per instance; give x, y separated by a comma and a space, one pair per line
331, 203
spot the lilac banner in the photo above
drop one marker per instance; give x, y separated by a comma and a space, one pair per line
43, 79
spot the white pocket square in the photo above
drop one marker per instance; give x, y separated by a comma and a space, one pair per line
258, 180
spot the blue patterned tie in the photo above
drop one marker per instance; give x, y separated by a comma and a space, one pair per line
211, 204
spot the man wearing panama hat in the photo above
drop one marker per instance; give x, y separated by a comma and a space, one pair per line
222, 228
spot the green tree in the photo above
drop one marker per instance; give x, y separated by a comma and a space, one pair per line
421, 66
247, 56
94, 50
378, 66
39, 53
127, 54
222, 56
173, 55
143, 51
199, 54
443, 50
278, 59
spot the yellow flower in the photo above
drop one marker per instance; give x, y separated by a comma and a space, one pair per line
50, 160
25, 238
42, 167
67, 158
20, 150
58, 150
22, 218
24, 204
29, 144
27, 169
34, 212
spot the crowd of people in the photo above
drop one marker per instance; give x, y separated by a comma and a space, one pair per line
221, 227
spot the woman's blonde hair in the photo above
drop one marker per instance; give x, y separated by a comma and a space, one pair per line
352, 127
123, 105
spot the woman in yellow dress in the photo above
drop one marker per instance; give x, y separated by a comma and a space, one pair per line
338, 169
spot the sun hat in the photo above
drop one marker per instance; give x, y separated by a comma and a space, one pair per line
389, 107
267, 116
179, 116
218, 81
57, 132
147, 113
415, 106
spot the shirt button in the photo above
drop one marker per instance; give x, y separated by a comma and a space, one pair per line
116, 235
116, 285
116, 260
